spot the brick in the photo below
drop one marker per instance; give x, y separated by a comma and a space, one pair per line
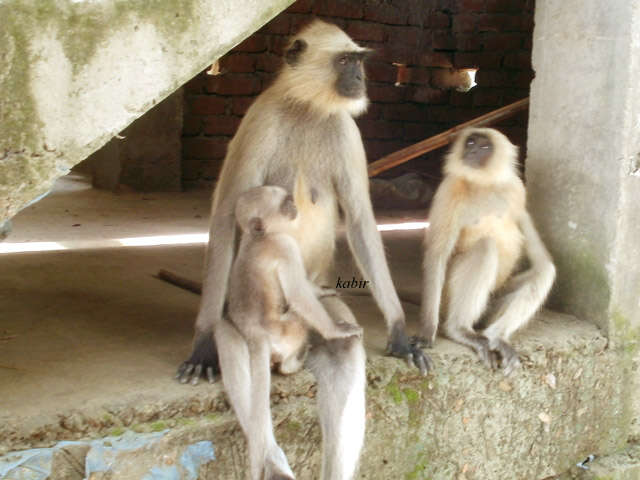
238, 63
380, 129
494, 78
220, 125
240, 105
196, 84
419, 131
406, 35
518, 61
366, 31
438, 20
420, 76
206, 105
499, 23
278, 45
498, 6
487, 97
407, 112
255, 43
374, 111
385, 93
396, 53
338, 8
477, 60
280, 25
387, 14
461, 99
469, 42
298, 22
436, 59
443, 40
523, 79
502, 41
431, 96
470, 5
464, 22
381, 72
268, 62
191, 125
205, 147
526, 23
301, 6
234, 84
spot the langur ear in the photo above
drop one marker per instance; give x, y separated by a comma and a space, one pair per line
293, 53
256, 227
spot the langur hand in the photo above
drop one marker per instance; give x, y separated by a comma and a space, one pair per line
400, 346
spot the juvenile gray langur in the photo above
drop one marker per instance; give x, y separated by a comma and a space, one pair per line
273, 305
479, 229
302, 126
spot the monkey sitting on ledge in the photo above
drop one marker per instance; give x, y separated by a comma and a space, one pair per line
479, 230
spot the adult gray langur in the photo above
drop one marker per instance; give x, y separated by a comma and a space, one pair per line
479, 230
302, 125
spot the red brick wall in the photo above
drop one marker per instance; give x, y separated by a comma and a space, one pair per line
429, 36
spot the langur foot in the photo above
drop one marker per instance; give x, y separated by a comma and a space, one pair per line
400, 346
480, 345
204, 358
509, 358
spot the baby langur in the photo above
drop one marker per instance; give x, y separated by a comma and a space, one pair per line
479, 229
273, 305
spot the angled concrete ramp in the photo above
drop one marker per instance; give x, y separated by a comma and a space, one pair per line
74, 73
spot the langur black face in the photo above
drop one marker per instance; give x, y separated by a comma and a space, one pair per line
288, 208
477, 150
350, 74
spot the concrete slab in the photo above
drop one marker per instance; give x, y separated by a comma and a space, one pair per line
89, 342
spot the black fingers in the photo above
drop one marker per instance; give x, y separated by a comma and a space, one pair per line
510, 358
400, 346
421, 360
204, 358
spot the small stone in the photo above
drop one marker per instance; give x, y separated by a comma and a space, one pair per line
577, 374
544, 417
550, 379
505, 386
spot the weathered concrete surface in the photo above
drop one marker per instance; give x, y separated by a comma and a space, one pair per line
147, 156
583, 166
75, 73
89, 342
624, 465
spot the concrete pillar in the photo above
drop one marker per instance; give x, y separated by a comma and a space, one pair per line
583, 166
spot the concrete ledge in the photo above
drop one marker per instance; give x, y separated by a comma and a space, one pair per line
460, 422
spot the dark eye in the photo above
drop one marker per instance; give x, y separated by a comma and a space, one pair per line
343, 60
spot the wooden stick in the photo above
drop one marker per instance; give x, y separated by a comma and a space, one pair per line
425, 146
180, 281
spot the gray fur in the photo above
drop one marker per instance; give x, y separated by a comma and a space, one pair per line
479, 230
300, 128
